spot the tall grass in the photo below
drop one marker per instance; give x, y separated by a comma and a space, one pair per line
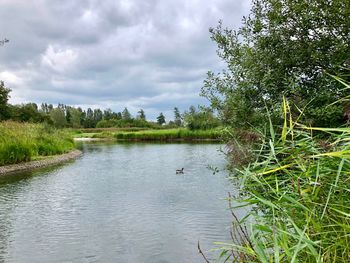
162, 135
21, 142
298, 192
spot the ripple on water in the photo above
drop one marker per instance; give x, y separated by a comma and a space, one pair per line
118, 203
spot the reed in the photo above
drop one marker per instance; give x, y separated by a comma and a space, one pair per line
169, 135
160, 135
297, 192
21, 142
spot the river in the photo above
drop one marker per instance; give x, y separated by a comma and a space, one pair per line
117, 203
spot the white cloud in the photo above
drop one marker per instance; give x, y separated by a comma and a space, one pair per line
11, 78
59, 59
112, 53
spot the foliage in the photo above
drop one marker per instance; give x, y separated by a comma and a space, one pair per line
75, 119
177, 117
240, 145
284, 48
65, 116
107, 123
168, 135
28, 113
297, 191
20, 142
161, 119
202, 119
58, 117
141, 115
123, 123
126, 115
4, 96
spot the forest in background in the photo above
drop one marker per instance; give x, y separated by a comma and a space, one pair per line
65, 116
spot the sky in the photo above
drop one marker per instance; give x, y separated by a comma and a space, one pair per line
149, 54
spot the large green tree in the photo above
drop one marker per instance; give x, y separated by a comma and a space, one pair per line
284, 48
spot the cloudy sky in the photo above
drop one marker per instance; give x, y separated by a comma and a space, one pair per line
150, 54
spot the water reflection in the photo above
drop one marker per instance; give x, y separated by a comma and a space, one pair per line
118, 203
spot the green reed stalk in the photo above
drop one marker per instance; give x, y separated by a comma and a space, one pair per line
298, 191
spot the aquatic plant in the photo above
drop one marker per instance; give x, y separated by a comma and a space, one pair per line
179, 134
297, 190
169, 135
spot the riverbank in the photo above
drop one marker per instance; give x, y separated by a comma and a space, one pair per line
45, 162
166, 135
24, 142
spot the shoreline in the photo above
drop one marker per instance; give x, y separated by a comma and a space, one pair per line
46, 162
174, 140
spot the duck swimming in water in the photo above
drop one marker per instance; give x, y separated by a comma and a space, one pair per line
181, 171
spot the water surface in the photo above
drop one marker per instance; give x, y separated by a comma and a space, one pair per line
117, 203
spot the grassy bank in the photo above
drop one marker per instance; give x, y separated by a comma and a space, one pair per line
113, 129
297, 190
155, 135
21, 142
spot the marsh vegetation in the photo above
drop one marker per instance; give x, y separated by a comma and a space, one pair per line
21, 142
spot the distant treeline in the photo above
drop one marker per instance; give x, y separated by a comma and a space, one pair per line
63, 116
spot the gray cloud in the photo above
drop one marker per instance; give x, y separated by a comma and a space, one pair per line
141, 54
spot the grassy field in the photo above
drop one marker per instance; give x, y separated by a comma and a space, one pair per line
21, 142
154, 135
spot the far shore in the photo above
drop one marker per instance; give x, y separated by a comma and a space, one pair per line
83, 139
188, 140
45, 162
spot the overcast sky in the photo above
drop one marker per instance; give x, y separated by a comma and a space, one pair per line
149, 54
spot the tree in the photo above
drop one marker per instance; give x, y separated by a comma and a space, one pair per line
82, 116
75, 119
284, 48
27, 113
107, 114
4, 97
117, 115
177, 117
126, 114
58, 117
201, 119
161, 119
68, 113
98, 116
89, 119
141, 115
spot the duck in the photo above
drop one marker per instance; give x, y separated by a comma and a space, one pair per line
180, 171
